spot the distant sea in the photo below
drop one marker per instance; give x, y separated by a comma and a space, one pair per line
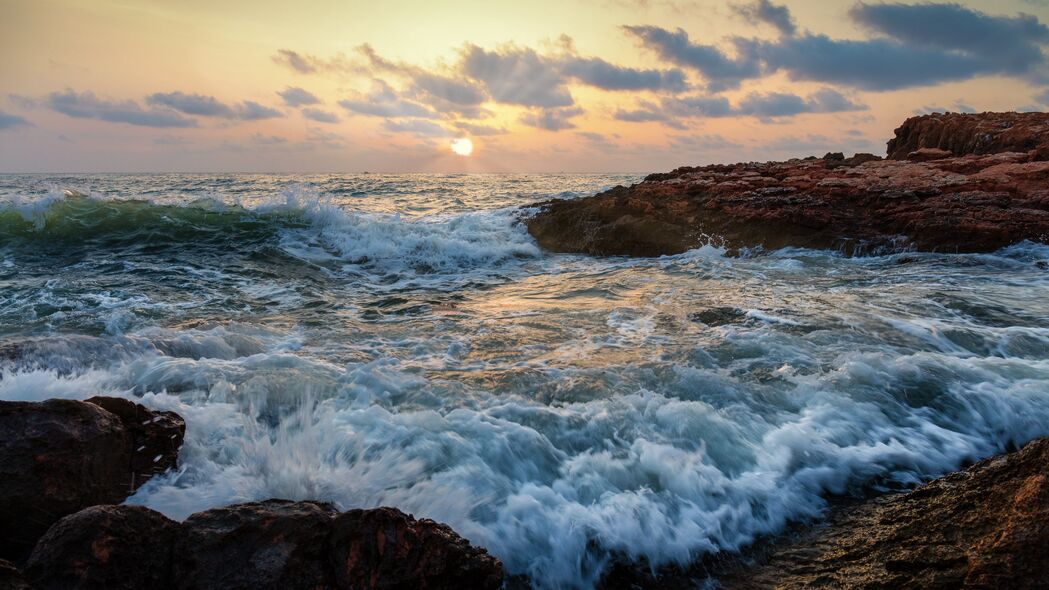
401, 340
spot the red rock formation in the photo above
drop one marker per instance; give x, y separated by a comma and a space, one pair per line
60, 456
959, 134
971, 203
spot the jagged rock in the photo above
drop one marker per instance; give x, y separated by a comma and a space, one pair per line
59, 456
384, 548
155, 436
978, 202
111, 547
986, 527
960, 134
276, 544
273, 544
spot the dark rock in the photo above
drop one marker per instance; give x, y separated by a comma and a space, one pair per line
111, 547
385, 548
156, 436
985, 527
11, 578
275, 544
718, 316
960, 134
60, 456
972, 203
928, 155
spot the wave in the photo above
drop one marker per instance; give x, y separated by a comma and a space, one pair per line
705, 464
310, 229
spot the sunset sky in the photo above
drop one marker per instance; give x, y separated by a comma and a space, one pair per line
537, 86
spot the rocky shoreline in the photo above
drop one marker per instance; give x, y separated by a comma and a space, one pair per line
984, 527
950, 183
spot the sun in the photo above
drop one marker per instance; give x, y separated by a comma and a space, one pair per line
462, 146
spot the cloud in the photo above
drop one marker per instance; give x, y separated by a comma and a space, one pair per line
85, 105
773, 14
209, 106
191, 104
294, 96
9, 121
1043, 97
417, 127
250, 110
479, 130
383, 101
516, 75
304, 63
553, 119
917, 45
703, 142
320, 116
266, 140
602, 74
719, 70
765, 106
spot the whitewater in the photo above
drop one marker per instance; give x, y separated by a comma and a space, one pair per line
400, 340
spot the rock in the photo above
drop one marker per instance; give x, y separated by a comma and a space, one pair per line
718, 316
111, 547
11, 578
985, 527
972, 203
60, 456
928, 155
276, 544
385, 548
984, 133
273, 544
155, 436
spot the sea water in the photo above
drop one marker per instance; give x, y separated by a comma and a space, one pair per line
400, 340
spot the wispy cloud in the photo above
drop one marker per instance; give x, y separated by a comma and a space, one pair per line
85, 105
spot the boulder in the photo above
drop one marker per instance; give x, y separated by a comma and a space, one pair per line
11, 578
384, 548
60, 456
111, 547
273, 544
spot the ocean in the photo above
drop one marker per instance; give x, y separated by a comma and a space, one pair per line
401, 340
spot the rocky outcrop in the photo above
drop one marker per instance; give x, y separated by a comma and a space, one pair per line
934, 201
959, 134
985, 527
60, 456
273, 544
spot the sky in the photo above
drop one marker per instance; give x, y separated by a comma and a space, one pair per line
536, 86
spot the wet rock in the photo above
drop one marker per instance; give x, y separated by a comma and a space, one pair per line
977, 202
718, 316
385, 548
155, 436
273, 544
985, 527
111, 547
960, 134
276, 544
928, 155
60, 456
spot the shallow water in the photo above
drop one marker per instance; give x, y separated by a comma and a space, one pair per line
400, 340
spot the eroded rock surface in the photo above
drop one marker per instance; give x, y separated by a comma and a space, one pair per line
986, 527
934, 201
276, 544
60, 456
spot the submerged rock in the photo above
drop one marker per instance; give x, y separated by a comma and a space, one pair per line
961, 190
60, 456
985, 527
275, 544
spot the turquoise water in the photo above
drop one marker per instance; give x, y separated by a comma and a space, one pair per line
401, 340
